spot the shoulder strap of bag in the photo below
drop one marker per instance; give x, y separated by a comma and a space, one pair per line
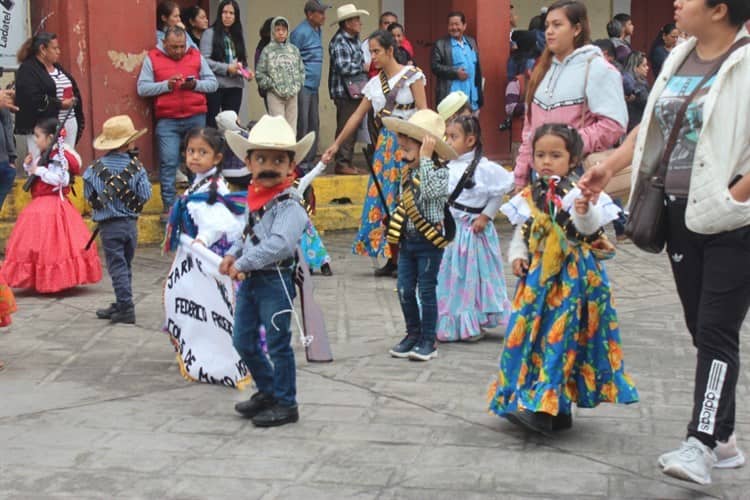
677, 127
390, 96
468, 174
586, 110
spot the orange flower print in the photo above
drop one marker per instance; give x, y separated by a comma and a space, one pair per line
377, 166
372, 192
389, 199
501, 379
570, 359
558, 328
542, 376
550, 402
518, 299
571, 390
376, 237
593, 279
536, 360
615, 355
375, 215
535, 326
393, 175
589, 376
566, 291
529, 296
491, 391
360, 248
609, 391
613, 325
572, 270
554, 296
522, 374
593, 319
517, 334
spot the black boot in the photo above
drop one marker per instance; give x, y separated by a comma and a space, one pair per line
123, 314
387, 270
106, 313
276, 415
257, 403
325, 269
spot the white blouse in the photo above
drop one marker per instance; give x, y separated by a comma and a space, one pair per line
373, 91
491, 181
215, 220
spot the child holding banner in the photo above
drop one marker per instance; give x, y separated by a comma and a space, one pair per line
205, 212
265, 258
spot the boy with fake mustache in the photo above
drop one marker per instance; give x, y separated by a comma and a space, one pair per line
264, 260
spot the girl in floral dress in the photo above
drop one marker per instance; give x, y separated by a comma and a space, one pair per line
563, 341
471, 291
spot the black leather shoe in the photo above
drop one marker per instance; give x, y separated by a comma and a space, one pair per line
325, 270
257, 403
276, 415
387, 270
124, 315
540, 422
106, 313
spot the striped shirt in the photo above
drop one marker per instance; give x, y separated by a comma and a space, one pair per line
279, 231
63, 89
432, 193
116, 162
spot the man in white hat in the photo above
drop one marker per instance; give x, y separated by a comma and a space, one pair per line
264, 259
347, 77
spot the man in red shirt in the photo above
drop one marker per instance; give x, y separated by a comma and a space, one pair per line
178, 78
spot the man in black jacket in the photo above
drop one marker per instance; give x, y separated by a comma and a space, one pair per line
455, 62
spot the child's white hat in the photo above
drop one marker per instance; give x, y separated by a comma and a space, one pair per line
451, 103
271, 132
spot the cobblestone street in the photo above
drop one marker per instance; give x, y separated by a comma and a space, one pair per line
89, 410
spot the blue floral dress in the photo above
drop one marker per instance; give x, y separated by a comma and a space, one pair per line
563, 343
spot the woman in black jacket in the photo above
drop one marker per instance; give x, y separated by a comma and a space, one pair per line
45, 90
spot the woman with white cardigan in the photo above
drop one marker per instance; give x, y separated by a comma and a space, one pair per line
707, 189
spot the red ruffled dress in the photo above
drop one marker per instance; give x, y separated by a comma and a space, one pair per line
46, 250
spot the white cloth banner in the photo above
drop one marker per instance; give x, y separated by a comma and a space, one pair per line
199, 310
14, 30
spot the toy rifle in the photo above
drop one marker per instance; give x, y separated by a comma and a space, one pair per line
44, 159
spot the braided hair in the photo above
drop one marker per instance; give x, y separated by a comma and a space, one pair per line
470, 127
217, 143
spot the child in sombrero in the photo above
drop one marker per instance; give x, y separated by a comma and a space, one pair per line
265, 259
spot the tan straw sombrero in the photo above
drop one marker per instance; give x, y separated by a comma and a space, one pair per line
423, 122
348, 11
116, 132
271, 132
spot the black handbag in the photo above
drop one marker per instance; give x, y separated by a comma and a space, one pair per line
355, 85
647, 224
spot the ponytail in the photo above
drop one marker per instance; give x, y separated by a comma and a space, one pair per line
33, 46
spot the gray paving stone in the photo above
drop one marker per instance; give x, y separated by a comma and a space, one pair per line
88, 410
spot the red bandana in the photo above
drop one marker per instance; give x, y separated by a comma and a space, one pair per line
259, 196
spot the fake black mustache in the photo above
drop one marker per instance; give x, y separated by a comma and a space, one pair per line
269, 174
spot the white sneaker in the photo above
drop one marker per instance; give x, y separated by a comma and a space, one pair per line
692, 462
728, 455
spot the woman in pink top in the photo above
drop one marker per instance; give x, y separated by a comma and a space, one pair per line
571, 79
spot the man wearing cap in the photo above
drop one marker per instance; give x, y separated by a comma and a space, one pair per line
455, 62
346, 78
307, 37
178, 78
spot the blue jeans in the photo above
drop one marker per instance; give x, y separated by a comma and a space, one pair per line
418, 266
7, 176
259, 301
119, 240
170, 133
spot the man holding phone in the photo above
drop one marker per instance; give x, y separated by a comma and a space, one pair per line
178, 78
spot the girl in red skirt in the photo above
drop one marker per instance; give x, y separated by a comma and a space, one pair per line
46, 250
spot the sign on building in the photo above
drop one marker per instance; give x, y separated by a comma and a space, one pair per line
14, 30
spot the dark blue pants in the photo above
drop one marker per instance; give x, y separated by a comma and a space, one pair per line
119, 240
262, 300
7, 176
418, 266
